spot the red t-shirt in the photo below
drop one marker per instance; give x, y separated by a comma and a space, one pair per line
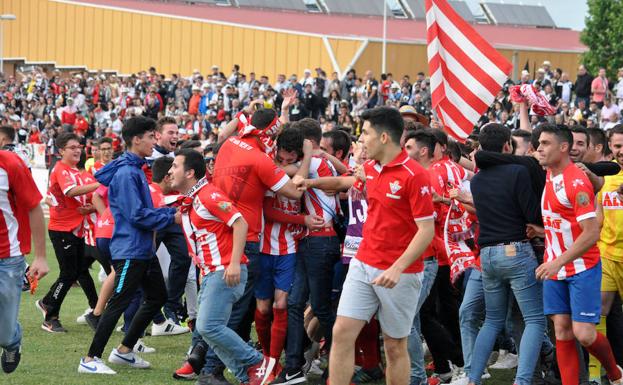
399, 195
567, 200
81, 126
208, 229
64, 215
157, 197
18, 195
244, 173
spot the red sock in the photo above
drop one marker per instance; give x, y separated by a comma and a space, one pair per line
262, 327
601, 350
568, 362
278, 332
369, 342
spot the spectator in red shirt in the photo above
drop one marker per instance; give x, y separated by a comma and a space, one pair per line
68, 113
67, 192
21, 212
195, 99
81, 125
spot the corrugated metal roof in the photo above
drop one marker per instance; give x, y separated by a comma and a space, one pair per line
515, 14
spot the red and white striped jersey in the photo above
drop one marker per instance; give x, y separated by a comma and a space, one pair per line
18, 195
281, 238
90, 220
317, 202
567, 200
207, 227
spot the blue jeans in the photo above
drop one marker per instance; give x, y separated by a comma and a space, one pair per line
11, 279
313, 280
501, 273
414, 344
216, 301
240, 308
471, 314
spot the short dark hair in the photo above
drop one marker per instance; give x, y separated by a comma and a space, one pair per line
161, 168
423, 138
310, 128
385, 119
193, 161
165, 120
580, 130
441, 136
340, 140
64, 138
104, 139
136, 126
523, 134
562, 132
263, 117
534, 137
8, 131
618, 129
598, 136
291, 139
493, 136
190, 144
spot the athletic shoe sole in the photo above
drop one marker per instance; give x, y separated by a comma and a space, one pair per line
186, 377
52, 331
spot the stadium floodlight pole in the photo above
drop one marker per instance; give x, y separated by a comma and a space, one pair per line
6, 16
384, 54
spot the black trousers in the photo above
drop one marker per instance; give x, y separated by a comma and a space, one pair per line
174, 241
439, 321
74, 266
130, 275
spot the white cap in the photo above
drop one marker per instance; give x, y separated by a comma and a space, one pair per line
307, 71
196, 88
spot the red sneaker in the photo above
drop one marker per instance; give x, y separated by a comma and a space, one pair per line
186, 372
258, 373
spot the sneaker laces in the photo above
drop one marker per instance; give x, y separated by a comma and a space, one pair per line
11, 355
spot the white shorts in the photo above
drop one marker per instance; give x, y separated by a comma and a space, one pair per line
396, 307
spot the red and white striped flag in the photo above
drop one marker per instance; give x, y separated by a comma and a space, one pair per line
466, 72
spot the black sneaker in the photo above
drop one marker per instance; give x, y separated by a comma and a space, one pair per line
42, 307
197, 357
290, 377
92, 320
10, 359
53, 326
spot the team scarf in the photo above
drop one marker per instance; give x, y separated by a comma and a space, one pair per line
457, 229
266, 135
527, 93
185, 203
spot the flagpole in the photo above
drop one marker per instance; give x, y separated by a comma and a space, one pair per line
384, 58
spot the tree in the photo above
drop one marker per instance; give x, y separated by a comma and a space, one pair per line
603, 35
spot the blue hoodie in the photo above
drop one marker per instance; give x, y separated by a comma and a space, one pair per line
136, 219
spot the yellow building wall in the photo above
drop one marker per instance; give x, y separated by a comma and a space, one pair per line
82, 36
75, 36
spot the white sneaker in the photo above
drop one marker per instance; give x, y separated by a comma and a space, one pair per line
506, 360
97, 366
140, 347
457, 371
315, 368
168, 328
81, 319
130, 359
461, 379
486, 375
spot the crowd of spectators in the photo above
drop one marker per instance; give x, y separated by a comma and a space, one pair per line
40, 103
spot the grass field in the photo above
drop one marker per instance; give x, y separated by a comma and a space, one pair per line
51, 359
